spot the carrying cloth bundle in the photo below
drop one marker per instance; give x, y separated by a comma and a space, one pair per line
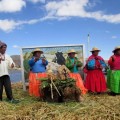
91, 63
95, 62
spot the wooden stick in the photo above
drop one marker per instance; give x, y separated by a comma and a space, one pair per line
55, 87
51, 91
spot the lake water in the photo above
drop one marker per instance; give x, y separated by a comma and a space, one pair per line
15, 75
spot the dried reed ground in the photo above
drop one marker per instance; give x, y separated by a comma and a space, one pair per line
94, 107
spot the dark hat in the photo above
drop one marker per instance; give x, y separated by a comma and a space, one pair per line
2, 44
116, 48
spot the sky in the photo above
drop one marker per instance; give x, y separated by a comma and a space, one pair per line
27, 23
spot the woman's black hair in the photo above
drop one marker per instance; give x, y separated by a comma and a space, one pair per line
115, 51
34, 53
93, 52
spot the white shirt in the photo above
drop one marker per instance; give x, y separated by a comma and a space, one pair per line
5, 64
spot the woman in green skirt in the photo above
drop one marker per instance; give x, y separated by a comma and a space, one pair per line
113, 77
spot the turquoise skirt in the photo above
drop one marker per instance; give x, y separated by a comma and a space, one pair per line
113, 80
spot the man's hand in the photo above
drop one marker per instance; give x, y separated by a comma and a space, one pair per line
0, 60
12, 65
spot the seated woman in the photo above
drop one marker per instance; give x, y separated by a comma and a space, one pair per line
72, 63
37, 70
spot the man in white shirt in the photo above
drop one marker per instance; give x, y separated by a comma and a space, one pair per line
5, 63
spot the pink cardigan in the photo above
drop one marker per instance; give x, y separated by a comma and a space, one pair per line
93, 57
114, 62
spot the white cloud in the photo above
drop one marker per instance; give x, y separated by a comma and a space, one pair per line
107, 31
9, 25
56, 9
15, 46
11, 5
66, 8
36, 1
76, 8
114, 37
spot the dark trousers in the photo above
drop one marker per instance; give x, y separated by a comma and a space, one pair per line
5, 81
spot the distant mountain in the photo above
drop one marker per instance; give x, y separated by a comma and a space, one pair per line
17, 60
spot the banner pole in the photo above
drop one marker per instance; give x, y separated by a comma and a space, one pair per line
88, 45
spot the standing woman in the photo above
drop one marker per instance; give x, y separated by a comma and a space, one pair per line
95, 79
37, 70
73, 64
113, 79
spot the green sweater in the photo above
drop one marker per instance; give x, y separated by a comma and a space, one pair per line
73, 67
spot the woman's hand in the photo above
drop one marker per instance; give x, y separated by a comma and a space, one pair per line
36, 59
112, 59
43, 60
101, 67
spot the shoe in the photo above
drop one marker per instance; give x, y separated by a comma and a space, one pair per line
14, 101
98, 93
112, 94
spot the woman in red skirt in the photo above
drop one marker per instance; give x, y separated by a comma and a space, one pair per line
95, 79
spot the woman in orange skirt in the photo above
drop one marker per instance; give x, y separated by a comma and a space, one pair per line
72, 63
38, 69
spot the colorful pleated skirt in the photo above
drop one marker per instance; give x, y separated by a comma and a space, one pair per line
79, 82
113, 80
95, 81
34, 83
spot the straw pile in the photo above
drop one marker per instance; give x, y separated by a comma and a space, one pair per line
94, 107
58, 86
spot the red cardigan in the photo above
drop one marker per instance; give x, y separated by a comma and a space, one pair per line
114, 62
